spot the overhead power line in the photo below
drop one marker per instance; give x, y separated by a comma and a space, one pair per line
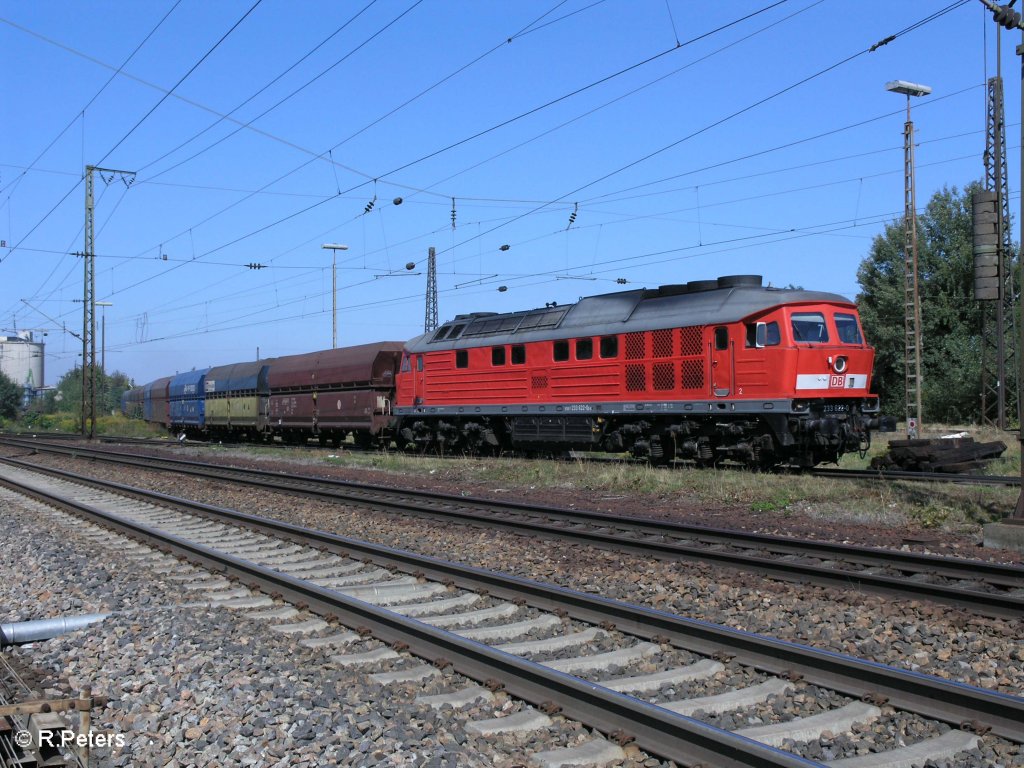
261, 90
582, 89
68, 126
184, 77
423, 158
89, 103
714, 124
322, 73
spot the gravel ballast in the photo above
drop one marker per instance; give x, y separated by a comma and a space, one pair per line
195, 685
910, 634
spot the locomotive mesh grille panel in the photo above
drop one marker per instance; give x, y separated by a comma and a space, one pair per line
661, 342
539, 382
636, 346
692, 372
636, 380
689, 340
664, 376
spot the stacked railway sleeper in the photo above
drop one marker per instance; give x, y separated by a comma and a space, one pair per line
545, 660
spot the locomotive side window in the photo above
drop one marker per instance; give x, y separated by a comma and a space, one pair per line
497, 355
560, 351
772, 337
847, 328
518, 354
609, 346
419, 362
721, 338
584, 349
462, 358
809, 327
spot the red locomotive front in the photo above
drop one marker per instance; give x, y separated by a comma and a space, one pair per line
708, 371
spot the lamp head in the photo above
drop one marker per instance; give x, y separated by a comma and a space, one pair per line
908, 89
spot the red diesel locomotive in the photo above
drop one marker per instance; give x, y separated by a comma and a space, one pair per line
709, 371
706, 372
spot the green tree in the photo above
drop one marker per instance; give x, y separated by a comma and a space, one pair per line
67, 396
10, 397
115, 385
950, 317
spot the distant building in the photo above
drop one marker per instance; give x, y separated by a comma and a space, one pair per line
21, 360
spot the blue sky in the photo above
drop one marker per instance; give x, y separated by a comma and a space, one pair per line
764, 142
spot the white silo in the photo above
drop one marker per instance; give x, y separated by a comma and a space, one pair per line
21, 359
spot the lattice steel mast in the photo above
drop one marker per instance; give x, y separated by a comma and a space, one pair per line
430, 320
999, 404
89, 298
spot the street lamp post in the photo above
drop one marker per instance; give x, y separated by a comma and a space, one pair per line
911, 296
334, 248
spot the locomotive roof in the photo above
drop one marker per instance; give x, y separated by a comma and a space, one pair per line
705, 302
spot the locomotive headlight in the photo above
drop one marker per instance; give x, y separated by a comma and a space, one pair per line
839, 365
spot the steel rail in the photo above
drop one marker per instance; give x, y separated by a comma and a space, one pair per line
959, 568
926, 477
929, 696
891, 475
647, 538
653, 728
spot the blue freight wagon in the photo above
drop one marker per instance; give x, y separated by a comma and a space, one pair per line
186, 398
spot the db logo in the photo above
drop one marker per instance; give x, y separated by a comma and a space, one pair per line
837, 381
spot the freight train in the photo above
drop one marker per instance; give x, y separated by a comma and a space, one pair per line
709, 371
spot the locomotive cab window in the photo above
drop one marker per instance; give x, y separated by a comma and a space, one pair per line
497, 355
560, 351
518, 354
769, 336
809, 327
609, 346
419, 362
584, 349
406, 366
462, 358
847, 328
721, 338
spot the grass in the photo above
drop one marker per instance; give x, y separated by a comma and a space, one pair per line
917, 505
115, 424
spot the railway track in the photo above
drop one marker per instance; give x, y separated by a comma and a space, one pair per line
873, 475
925, 477
971, 585
618, 668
